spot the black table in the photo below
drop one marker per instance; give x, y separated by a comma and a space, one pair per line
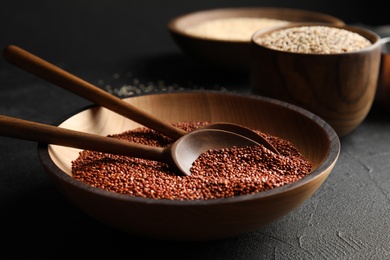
124, 47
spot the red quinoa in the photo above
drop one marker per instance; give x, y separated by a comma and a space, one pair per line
215, 174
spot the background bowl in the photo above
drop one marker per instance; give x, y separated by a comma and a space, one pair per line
340, 87
195, 220
382, 95
232, 54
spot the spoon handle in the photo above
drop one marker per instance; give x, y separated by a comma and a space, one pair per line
33, 131
45, 70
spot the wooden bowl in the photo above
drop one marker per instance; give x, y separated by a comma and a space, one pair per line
382, 95
196, 220
338, 87
232, 55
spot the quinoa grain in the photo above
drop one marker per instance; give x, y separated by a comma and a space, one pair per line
313, 39
215, 174
233, 29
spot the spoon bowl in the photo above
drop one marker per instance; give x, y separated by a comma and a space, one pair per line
244, 131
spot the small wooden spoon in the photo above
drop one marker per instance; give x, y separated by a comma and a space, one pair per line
45, 70
181, 154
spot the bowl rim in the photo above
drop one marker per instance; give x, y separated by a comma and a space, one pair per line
329, 161
229, 11
370, 35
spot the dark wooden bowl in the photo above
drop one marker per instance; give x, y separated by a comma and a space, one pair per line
228, 54
199, 219
340, 88
382, 95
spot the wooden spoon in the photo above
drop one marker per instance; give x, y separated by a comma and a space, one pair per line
181, 154
45, 70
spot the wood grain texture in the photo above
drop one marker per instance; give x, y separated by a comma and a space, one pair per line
340, 88
213, 219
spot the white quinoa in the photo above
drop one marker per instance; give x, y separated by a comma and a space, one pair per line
234, 29
313, 39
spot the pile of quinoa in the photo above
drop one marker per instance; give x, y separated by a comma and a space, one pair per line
313, 39
215, 174
233, 29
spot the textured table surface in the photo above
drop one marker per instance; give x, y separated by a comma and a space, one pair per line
124, 47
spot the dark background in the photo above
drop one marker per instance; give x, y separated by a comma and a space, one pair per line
120, 43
